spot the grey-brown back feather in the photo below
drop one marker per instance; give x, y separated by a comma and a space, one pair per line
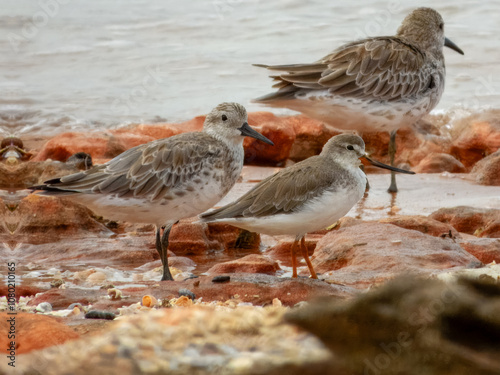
284, 192
366, 69
151, 169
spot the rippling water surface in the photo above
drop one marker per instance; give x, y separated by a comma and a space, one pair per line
79, 64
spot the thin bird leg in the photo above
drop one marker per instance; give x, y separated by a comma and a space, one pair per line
392, 153
294, 258
305, 254
161, 247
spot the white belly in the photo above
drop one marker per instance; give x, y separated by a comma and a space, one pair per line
139, 210
360, 115
317, 214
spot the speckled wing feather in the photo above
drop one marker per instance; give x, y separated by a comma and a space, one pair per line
382, 68
150, 170
281, 193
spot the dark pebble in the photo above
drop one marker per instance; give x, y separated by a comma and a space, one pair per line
187, 293
94, 314
221, 279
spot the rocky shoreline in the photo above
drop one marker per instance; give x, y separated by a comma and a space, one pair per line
70, 262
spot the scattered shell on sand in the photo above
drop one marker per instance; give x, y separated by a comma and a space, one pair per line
44, 307
183, 301
149, 301
115, 294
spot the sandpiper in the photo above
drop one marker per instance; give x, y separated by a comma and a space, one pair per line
166, 180
373, 84
308, 196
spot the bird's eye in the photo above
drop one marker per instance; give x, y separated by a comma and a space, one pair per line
441, 26
350, 147
224, 117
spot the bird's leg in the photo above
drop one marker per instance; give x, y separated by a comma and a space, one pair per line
161, 247
392, 153
294, 258
305, 254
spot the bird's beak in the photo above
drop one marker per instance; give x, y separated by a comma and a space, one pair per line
385, 166
448, 43
246, 130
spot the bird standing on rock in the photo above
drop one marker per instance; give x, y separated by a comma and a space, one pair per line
374, 84
166, 180
308, 196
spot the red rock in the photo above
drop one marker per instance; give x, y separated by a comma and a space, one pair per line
370, 253
478, 139
278, 130
188, 238
157, 131
310, 136
411, 147
486, 250
34, 332
281, 251
253, 263
127, 251
257, 288
440, 162
98, 144
487, 170
481, 222
422, 224
48, 219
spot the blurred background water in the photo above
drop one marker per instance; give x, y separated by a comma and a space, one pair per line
88, 64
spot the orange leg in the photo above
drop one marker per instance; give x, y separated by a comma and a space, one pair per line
306, 257
294, 259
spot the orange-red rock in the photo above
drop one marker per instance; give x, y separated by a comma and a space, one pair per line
486, 250
257, 288
478, 139
34, 332
47, 219
281, 251
487, 170
370, 253
278, 130
481, 222
422, 224
440, 162
310, 136
100, 145
253, 263
188, 238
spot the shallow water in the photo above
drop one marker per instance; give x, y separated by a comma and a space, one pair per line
99, 64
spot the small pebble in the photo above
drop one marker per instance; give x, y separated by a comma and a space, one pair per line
44, 307
94, 314
221, 279
187, 293
56, 283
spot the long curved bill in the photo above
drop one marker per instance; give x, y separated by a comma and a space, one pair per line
448, 43
246, 130
385, 166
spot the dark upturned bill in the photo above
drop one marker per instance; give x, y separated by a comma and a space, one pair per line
385, 166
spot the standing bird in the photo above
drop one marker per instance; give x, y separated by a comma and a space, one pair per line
308, 196
166, 180
374, 84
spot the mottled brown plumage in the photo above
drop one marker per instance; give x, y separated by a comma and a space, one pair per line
374, 84
166, 180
